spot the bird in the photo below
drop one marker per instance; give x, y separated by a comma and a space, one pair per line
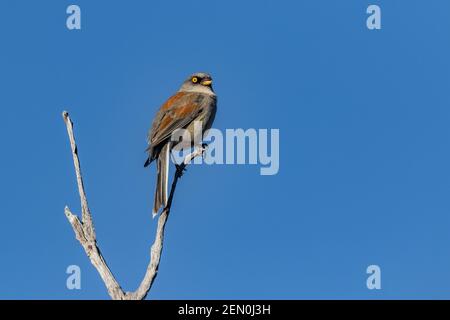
194, 101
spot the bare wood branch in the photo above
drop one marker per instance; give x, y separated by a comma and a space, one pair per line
157, 246
86, 214
85, 231
198, 151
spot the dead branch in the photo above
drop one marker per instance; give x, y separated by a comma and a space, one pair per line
85, 232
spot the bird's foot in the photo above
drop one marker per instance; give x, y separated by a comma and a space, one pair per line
203, 149
181, 168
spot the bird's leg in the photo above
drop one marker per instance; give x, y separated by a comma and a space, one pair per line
203, 149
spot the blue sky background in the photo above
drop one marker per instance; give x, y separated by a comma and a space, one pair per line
364, 166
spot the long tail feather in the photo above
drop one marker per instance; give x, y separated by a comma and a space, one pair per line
162, 171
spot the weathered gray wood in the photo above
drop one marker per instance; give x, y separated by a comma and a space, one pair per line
85, 232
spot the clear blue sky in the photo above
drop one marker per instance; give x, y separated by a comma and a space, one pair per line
365, 147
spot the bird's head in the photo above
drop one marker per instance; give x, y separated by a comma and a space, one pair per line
198, 82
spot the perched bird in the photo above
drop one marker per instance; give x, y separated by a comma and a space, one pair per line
194, 101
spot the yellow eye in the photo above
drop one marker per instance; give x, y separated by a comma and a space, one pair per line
194, 79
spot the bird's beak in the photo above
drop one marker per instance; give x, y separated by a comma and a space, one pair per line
206, 82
